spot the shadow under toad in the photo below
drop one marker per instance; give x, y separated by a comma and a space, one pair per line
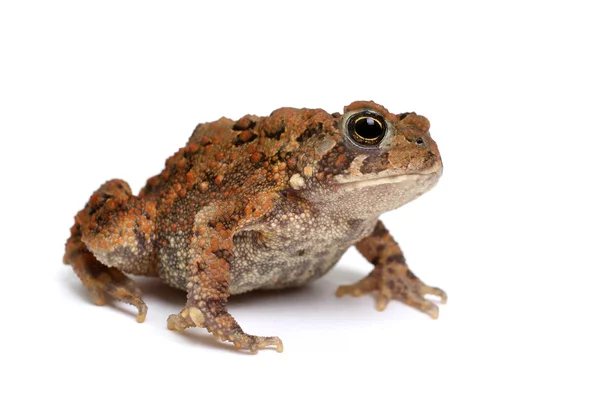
314, 301
319, 294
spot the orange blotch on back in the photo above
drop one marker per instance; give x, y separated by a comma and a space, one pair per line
256, 157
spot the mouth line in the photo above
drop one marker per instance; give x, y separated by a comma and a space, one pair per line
384, 180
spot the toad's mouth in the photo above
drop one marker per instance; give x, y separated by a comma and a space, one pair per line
404, 179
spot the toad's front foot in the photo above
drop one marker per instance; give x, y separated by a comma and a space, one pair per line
396, 281
193, 317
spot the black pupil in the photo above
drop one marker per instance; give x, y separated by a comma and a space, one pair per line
368, 128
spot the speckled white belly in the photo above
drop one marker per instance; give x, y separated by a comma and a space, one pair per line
294, 260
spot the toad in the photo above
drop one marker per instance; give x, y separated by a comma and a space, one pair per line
262, 203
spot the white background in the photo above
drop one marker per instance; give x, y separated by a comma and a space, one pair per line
89, 93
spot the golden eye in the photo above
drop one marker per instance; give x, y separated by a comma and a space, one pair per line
367, 128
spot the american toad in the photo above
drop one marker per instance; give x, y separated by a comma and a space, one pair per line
262, 203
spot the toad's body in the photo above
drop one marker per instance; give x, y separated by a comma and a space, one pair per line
264, 202
303, 250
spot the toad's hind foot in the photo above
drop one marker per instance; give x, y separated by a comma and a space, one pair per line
112, 235
225, 329
396, 282
101, 281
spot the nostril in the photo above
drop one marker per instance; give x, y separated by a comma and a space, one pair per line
420, 141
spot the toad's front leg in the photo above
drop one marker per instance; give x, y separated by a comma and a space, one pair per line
391, 277
208, 289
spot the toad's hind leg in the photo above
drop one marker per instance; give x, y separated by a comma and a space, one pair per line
113, 234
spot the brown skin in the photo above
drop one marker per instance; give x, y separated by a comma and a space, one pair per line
264, 202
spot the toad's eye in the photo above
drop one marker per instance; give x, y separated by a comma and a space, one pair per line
367, 128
